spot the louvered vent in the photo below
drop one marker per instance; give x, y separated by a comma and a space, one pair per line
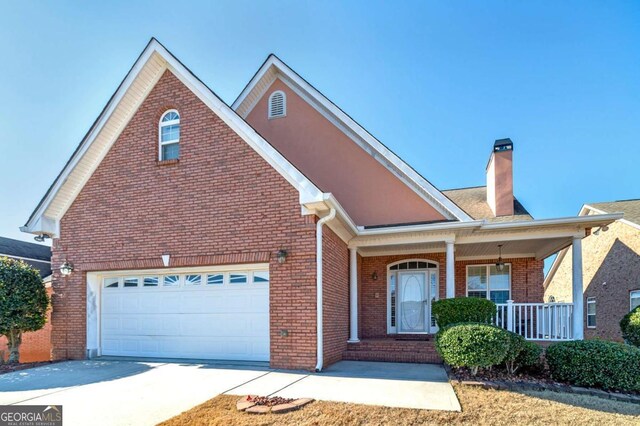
277, 105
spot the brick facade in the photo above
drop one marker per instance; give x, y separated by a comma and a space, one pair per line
610, 271
335, 301
527, 278
220, 203
36, 345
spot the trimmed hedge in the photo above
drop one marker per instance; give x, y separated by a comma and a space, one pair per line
595, 363
463, 309
473, 345
521, 353
630, 327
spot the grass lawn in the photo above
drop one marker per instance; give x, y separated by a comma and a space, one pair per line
479, 406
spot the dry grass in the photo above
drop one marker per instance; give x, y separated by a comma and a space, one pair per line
479, 407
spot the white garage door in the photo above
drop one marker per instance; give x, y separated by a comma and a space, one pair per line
207, 315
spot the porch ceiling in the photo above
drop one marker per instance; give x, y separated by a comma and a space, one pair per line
538, 248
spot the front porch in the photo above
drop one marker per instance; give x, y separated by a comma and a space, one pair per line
396, 274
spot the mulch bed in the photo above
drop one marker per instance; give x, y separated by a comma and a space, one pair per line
529, 381
8, 368
253, 404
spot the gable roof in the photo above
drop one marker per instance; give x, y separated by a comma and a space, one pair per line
274, 68
630, 209
631, 216
130, 94
473, 200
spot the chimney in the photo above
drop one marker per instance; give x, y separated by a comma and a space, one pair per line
500, 178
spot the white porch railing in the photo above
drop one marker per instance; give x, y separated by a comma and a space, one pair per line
536, 321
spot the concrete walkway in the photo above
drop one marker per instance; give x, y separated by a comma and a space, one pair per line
110, 392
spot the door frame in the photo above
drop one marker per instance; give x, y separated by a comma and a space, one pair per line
430, 329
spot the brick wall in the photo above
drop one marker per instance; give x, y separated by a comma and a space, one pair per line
220, 203
610, 271
36, 345
335, 300
526, 285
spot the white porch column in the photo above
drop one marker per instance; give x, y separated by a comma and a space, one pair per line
353, 295
450, 272
578, 305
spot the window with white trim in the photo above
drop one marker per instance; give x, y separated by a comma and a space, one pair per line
111, 282
131, 282
486, 282
277, 104
215, 279
591, 312
171, 280
634, 299
169, 135
238, 278
192, 279
261, 277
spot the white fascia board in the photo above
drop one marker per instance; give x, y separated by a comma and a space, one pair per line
579, 221
38, 223
387, 158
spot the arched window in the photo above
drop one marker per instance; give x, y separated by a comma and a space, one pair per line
277, 104
170, 135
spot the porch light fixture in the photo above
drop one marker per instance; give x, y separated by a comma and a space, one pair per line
500, 263
374, 276
66, 268
282, 255
41, 238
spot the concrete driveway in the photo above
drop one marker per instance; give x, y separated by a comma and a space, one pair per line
130, 392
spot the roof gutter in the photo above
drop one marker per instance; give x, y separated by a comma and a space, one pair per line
319, 312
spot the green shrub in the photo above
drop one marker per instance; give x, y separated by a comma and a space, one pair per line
463, 309
630, 326
595, 363
530, 357
23, 303
521, 353
472, 345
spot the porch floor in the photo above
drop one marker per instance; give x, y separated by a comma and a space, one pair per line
394, 348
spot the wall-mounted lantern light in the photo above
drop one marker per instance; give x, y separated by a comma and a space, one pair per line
282, 255
66, 268
374, 276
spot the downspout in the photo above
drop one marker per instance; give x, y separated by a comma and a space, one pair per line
319, 328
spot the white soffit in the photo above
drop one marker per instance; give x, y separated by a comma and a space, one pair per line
274, 68
133, 90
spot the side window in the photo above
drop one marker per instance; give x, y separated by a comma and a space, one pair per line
277, 104
169, 133
634, 297
591, 312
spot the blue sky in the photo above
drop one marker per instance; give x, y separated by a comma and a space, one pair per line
437, 82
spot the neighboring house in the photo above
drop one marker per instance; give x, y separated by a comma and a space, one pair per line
36, 346
611, 270
277, 229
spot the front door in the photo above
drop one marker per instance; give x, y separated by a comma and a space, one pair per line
413, 306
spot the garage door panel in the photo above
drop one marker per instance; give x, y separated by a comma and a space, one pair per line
187, 347
209, 321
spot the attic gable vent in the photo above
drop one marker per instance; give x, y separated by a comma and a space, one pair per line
277, 104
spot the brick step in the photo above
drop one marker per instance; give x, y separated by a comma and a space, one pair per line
392, 346
427, 358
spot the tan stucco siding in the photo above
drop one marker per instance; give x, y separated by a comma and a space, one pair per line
370, 193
